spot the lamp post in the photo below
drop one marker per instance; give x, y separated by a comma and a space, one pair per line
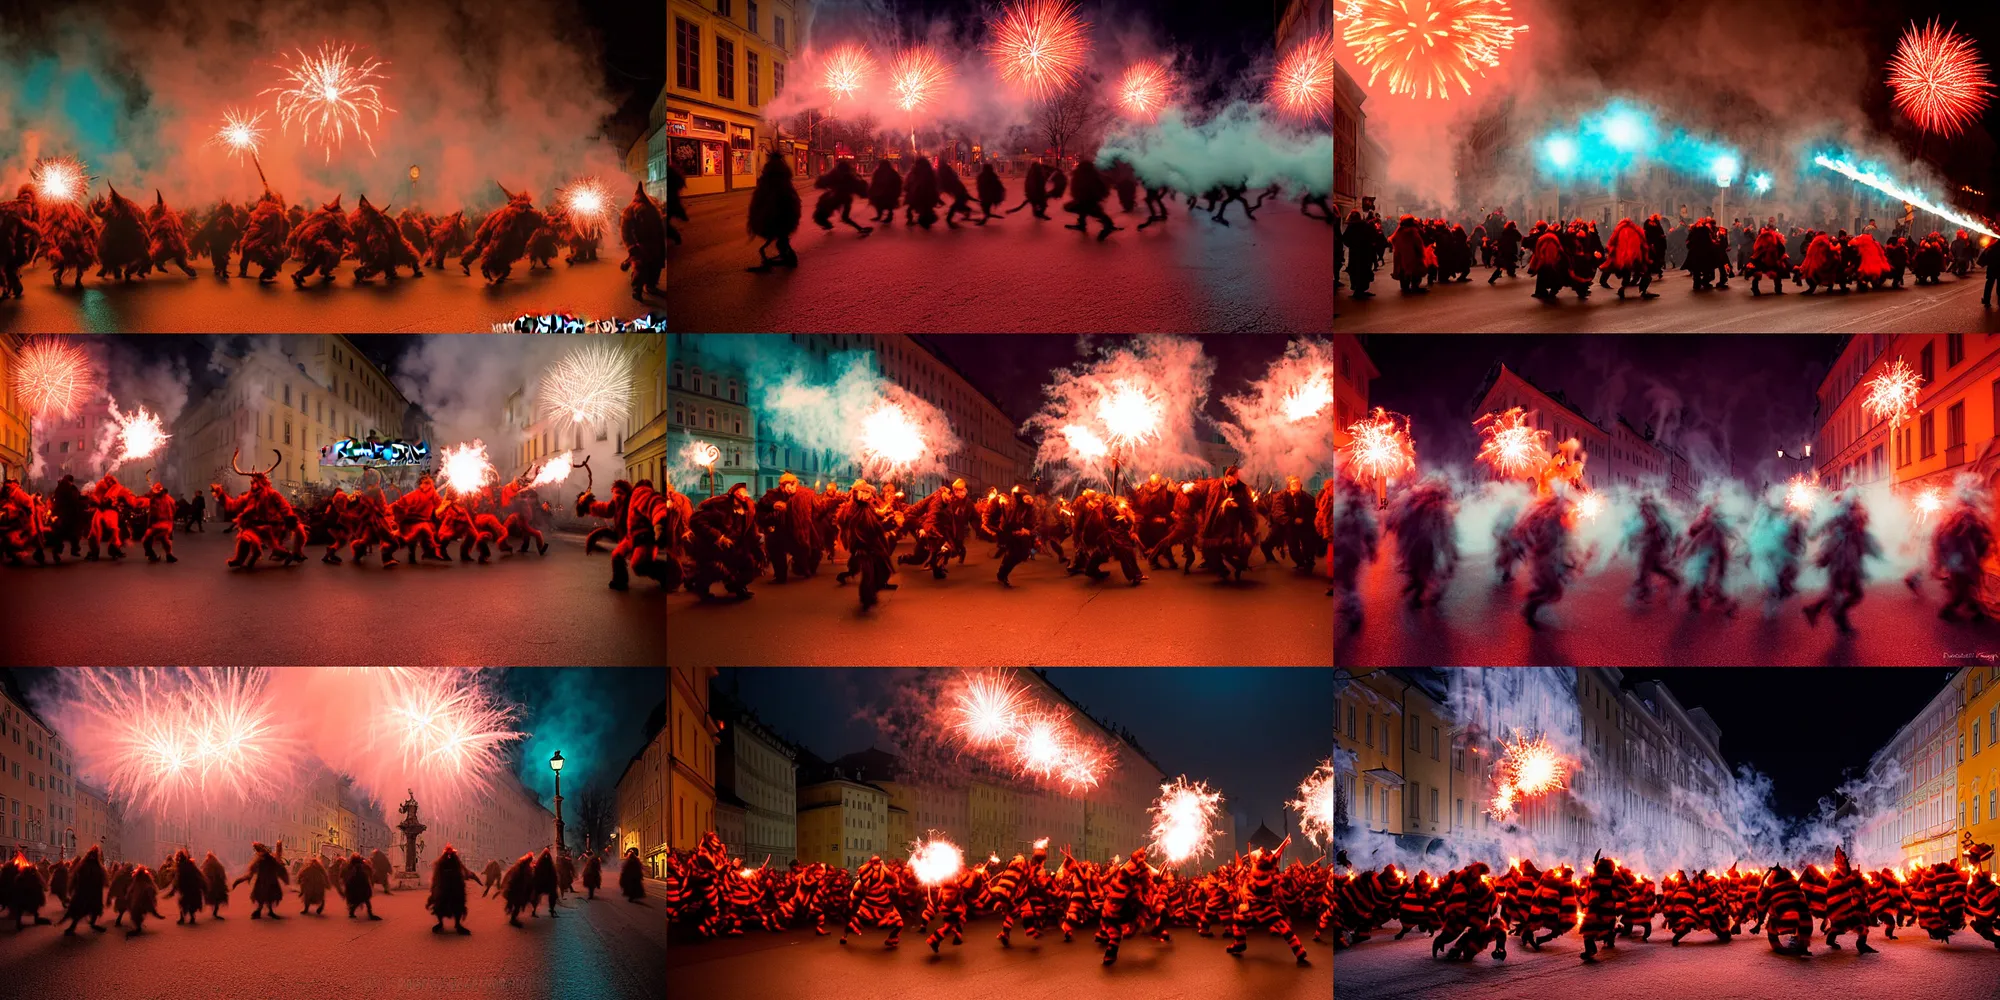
555, 764
1805, 459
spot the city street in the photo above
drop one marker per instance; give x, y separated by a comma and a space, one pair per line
798, 965
519, 609
1479, 624
1744, 969
1188, 274
1276, 616
1507, 307
442, 301
603, 948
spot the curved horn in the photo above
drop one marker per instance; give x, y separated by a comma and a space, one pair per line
275, 462
149, 475
590, 480
233, 467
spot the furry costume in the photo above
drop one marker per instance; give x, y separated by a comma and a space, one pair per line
920, 194
68, 238
505, 236
644, 234
416, 227
313, 882
166, 239
20, 240
379, 870
566, 873
593, 875
267, 877
1845, 544
266, 239
1784, 908
542, 246
446, 237
86, 901
26, 896
121, 887
774, 213
840, 186
320, 242
218, 235
1873, 267
447, 898
1034, 191
545, 884
1544, 536
1426, 544
379, 244
190, 885
517, 887
121, 241
952, 186
490, 876
142, 899
1087, 191
885, 188
359, 890
631, 876
217, 889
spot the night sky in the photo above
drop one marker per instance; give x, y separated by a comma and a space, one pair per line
1808, 729
1252, 733
1013, 368
1740, 397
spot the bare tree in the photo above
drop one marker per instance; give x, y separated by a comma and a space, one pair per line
1069, 116
594, 816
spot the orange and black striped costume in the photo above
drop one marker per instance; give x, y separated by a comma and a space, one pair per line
1813, 883
1554, 908
1846, 905
1604, 902
1257, 904
1418, 910
1785, 911
1124, 890
873, 899
1471, 920
1982, 906
1945, 886
1641, 900
948, 901
1888, 901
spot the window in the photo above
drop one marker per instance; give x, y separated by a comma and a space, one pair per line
1927, 434
1458, 758
1368, 802
1975, 737
1993, 727
288, 431
1416, 734
1434, 805
709, 417
753, 16
778, 72
1993, 803
1350, 722
1458, 813
1954, 425
778, 35
1368, 733
722, 7
1954, 349
1412, 797
1927, 363
750, 73
687, 55
725, 69
1336, 716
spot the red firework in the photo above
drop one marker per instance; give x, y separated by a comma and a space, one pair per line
53, 377
60, 178
1040, 44
847, 69
1939, 81
1303, 84
917, 77
1144, 88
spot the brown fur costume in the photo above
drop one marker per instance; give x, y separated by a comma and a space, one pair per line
644, 233
490, 875
266, 239
447, 898
517, 887
313, 882
416, 227
69, 240
379, 244
593, 876
267, 877
320, 242
358, 891
121, 243
142, 899
566, 872
166, 237
190, 885
503, 237
86, 901
217, 877
121, 887
545, 883
379, 870
631, 876
26, 896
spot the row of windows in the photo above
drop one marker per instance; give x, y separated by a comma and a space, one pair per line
687, 60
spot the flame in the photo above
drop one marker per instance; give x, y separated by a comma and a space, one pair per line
701, 453
1310, 397
1042, 844
936, 861
465, 468
555, 470
1130, 412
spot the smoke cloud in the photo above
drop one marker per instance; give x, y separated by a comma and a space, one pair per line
1245, 145
1270, 435
1173, 372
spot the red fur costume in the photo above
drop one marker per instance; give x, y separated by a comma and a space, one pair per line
166, 237
413, 512
159, 522
645, 523
106, 499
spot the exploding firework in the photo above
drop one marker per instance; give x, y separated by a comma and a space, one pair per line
327, 95
1129, 411
175, 740
1303, 83
1801, 494
1144, 89
1084, 441
1939, 81
444, 726
555, 470
588, 202
847, 69
1873, 178
989, 709
1892, 395
1429, 44
590, 385
1380, 448
239, 133
1589, 505
936, 861
1310, 397
1927, 503
1509, 445
53, 377
890, 441
1315, 804
1040, 45
917, 77
1527, 768
465, 468
140, 434
1184, 819
989, 712
1041, 745
700, 453
60, 178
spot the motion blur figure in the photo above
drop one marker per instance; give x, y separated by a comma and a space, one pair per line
1544, 533
1777, 545
166, 237
839, 187
774, 214
545, 884
1652, 538
86, 901
1426, 543
632, 876
1708, 544
517, 887
992, 194
1959, 547
447, 898
1355, 536
593, 875
1034, 191
920, 194
1507, 546
320, 242
952, 186
1844, 544
358, 890
1086, 201
490, 876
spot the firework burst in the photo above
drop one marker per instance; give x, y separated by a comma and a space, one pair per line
140, 434
1928, 503
990, 713
989, 709
174, 740
1380, 447
846, 71
1144, 89
328, 94
917, 77
590, 385
1184, 820
890, 440
1528, 768
1315, 804
465, 468
1801, 494
1084, 441
1509, 445
1040, 45
1892, 395
1589, 505
1429, 45
1303, 83
1308, 398
53, 377
239, 134
587, 201
60, 178
1939, 80
1130, 412
936, 861
445, 725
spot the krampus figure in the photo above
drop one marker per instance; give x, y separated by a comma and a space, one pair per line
26, 894
217, 889
262, 515
645, 234
1426, 542
885, 189
1258, 906
69, 239
920, 194
20, 240
22, 525
1845, 543
1544, 532
218, 235
447, 898
645, 522
266, 239
1959, 547
121, 240
490, 876
1604, 899
1782, 906
319, 242
358, 886
313, 884
379, 244
503, 238
142, 899
1708, 544
446, 237
593, 874
952, 186
415, 225
839, 187
267, 877
108, 500
1034, 191
873, 901
544, 884
547, 241
517, 887
159, 522
86, 900
190, 885
774, 214
413, 512
1652, 538
166, 239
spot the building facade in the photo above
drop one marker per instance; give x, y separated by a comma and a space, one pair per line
842, 821
1979, 759
1352, 373
670, 788
757, 774
1622, 456
16, 425
1350, 136
1368, 780
97, 823
37, 783
727, 59
1920, 769
645, 444
708, 402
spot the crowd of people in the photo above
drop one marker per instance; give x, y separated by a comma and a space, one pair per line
1574, 256
105, 515
86, 886
710, 893
1467, 910
927, 188
125, 241
734, 538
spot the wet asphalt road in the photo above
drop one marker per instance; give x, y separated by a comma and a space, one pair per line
1187, 275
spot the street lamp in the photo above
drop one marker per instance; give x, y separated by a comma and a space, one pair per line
1806, 458
555, 764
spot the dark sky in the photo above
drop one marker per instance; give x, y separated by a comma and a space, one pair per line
1808, 729
634, 62
1012, 368
1742, 397
1254, 733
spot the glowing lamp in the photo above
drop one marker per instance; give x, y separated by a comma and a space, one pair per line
556, 762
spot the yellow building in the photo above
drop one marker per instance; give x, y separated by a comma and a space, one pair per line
651, 781
842, 823
645, 445
1979, 764
14, 428
1367, 737
726, 60
1423, 755
96, 824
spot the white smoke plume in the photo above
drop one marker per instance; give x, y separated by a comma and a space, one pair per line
1173, 371
1272, 432
835, 414
1244, 145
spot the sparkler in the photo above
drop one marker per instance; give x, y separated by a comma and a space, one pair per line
60, 178
1940, 83
917, 77
1527, 768
1310, 397
1892, 395
1380, 448
890, 440
139, 435
555, 470
846, 70
1430, 44
701, 453
936, 861
1303, 84
327, 94
1589, 505
587, 198
1143, 90
465, 468
1927, 503
1873, 178
590, 385
1184, 819
1801, 494
240, 135
1315, 804
1509, 445
53, 377
1040, 44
